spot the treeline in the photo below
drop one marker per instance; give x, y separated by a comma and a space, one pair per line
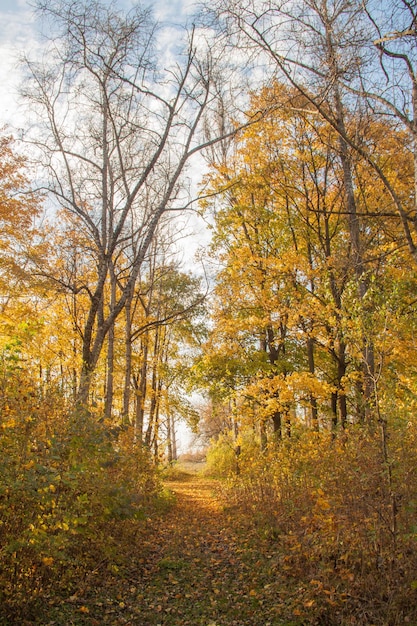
314, 307
314, 217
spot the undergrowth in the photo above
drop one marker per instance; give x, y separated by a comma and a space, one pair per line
341, 518
72, 496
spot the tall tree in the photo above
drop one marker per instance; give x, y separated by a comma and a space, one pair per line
319, 48
114, 134
287, 291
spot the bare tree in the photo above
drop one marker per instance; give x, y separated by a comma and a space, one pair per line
116, 127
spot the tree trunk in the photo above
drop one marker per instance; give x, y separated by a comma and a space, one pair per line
141, 385
277, 424
353, 218
170, 438
128, 361
263, 436
334, 414
313, 399
155, 388
174, 439
91, 349
108, 405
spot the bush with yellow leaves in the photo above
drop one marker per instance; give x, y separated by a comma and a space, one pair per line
341, 517
64, 483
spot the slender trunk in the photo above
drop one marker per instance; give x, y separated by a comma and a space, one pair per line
108, 404
368, 377
74, 313
338, 397
155, 441
263, 436
154, 390
333, 404
262, 427
109, 388
74, 372
154, 419
169, 440
314, 414
41, 379
141, 390
235, 430
359, 396
313, 399
128, 361
174, 439
387, 463
277, 424
273, 352
353, 217
341, 373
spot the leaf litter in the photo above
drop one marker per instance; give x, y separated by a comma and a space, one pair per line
195, 564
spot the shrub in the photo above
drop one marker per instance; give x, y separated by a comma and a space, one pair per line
221, 457
65, 481
342, 520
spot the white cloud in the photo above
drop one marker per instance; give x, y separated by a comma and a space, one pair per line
17, 35
173, 10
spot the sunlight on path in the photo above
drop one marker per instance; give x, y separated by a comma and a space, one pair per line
196, 495
199, 566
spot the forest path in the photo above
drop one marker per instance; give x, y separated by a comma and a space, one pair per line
204, 566
196, 563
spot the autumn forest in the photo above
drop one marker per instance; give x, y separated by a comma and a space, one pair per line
211, 225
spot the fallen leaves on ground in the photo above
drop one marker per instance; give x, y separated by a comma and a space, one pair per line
195, 564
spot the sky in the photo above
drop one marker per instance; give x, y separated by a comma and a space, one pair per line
19, 34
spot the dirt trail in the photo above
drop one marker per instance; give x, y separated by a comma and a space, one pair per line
195, 564
203, 568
